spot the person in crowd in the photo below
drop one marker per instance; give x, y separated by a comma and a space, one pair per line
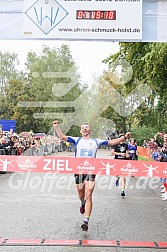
152, 144
164, 148
162, 157
145, 143
156, 154
11, 143
132, 150
164, 184
4, 149
164, 190
160, 139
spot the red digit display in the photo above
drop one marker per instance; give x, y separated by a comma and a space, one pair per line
105, 14
111, 15
93, 14
80, 15
96, 14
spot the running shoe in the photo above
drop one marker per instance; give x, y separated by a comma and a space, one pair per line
163, 190
117, 182
123, 193
84, 226
82, 208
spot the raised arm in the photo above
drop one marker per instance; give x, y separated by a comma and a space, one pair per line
59, 132
120, 139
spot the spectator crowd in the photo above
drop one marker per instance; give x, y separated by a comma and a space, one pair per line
158, 151
30, 144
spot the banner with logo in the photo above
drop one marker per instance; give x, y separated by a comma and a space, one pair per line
111, 20
72, 165
89, 19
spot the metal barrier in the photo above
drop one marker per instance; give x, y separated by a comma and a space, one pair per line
41, 150
2, 152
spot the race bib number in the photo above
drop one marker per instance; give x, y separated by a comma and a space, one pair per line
86, 153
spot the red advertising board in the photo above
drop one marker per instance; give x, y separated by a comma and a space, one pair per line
71, 165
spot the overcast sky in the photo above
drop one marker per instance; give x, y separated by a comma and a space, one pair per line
88, 55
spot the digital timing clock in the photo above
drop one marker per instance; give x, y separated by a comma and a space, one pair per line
96, 14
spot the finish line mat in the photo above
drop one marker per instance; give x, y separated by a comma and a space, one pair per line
83, 243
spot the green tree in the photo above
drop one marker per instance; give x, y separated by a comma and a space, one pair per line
8, 62
14, 92
149, 61
49, 82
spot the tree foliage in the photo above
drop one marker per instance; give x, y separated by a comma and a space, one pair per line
44, 72
149, 63
8, 63
53, 77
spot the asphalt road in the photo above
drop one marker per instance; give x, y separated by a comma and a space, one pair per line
32, 206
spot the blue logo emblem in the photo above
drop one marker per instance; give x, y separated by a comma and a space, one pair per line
46, 15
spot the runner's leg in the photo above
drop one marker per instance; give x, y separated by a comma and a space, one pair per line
123, 180
79, 180
89, 188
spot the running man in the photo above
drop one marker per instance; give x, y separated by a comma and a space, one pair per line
120, 151
86, 146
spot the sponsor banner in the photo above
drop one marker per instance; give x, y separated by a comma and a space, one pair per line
83, 19
26, 19
144, 152
72, 165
